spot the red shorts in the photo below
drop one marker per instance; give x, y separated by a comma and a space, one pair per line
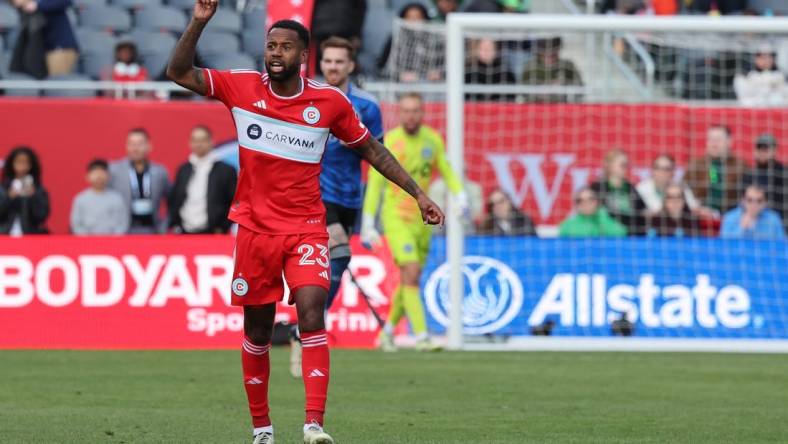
261, 260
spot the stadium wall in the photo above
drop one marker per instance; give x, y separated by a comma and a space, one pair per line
539, 158
155, 292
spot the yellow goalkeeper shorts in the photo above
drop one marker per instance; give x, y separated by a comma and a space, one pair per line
408, 242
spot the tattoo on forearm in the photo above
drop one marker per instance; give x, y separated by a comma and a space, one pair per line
383, 161
198, 78
182, 60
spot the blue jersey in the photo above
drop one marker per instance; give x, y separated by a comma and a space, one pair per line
340, 180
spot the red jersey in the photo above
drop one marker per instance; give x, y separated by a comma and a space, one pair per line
281, 141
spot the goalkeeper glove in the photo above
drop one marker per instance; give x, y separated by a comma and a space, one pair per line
461, 205
370, 237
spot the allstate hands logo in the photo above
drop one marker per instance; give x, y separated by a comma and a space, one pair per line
493, 295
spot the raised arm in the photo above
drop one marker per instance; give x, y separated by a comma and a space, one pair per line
381, 159
181, 69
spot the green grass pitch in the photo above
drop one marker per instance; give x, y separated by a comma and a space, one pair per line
197, 397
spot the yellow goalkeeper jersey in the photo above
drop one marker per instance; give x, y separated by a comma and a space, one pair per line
420, 154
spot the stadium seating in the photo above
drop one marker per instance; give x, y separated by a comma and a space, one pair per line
76, 93
253, 42
82, 4
5, 60
105, 18
154, 49
224, 20
254, 19
233, 61
9, 18
214, 43
160, 18
135, 4
185, 5
96, 51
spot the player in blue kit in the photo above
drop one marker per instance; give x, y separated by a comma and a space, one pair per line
340, 179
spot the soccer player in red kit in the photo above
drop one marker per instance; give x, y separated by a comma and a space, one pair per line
283, 122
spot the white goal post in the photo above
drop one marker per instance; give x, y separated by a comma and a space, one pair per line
457, 30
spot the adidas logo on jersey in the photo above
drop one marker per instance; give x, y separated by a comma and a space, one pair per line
316, 374
260, 104
324, 274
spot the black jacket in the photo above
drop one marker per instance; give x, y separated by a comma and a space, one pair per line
633, 219
221, 188
342, 18
519, 225
30, 51
32, 211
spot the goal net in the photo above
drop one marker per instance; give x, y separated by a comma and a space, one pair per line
622, 173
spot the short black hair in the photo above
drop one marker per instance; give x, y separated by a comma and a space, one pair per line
422, 9
303, 33
140, 130
98, 163
8, 165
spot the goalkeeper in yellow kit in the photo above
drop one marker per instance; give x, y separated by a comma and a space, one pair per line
420, 150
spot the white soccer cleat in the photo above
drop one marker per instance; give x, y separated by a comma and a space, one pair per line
295, 358
426, 345
314, 434
263, 438
386, 342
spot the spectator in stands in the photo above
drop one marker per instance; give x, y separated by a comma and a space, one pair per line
624, 6
715, 7
127, 67
444, 8
769, 174
547, 68
497, 6
503, 218
618, 195
98, 209
45, 33
665, 7
439, 193
419, 54
674, 217
340, 18
203, 190
752, 219
716, 178
24, 203
590, 219
143, 184
765, 84
486, 68
653, 189
411, 12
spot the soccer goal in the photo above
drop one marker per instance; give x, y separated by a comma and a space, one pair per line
615, 155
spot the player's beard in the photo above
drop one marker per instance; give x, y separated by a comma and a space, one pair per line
287, 73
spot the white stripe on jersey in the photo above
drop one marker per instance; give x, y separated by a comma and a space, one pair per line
278, 138
210, 79
317, 85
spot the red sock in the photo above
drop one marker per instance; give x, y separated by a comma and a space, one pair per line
257, 367
314, 366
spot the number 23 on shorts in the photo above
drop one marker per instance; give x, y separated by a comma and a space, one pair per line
308, 256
